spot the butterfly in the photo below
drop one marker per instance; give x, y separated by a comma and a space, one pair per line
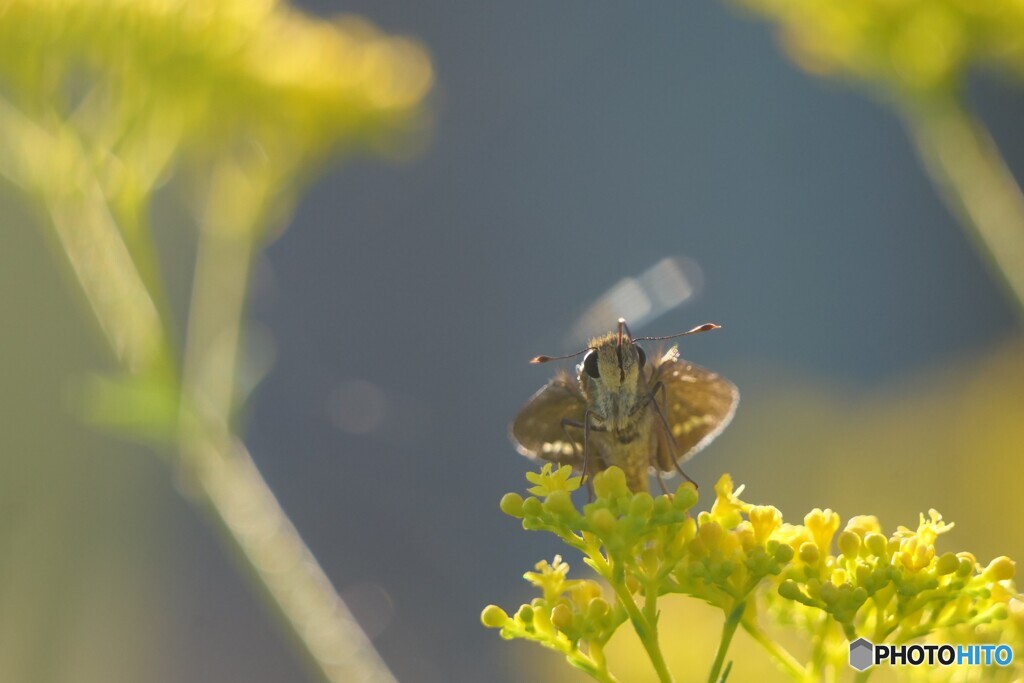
623, 411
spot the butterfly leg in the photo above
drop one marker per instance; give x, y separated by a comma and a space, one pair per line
660, 386
661, 481
585, 426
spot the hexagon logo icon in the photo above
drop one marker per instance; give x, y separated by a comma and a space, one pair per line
862, 654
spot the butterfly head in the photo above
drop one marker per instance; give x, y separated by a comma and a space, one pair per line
611, 373
613, 360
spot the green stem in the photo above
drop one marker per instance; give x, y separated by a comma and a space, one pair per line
816, 669
779, 654
226, 478
651, 603
599, 675
596, 653
976, 183
51, 164
220, 467
732, 621
593, 665
130, 211
278, 561
645, 629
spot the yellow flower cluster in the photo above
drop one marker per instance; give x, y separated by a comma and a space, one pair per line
831, 585
889, 589
916, 46
197, 75
569, 612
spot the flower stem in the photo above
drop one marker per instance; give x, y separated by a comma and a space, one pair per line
976, 183
596, 653
593, 665
282, 566
817, 665
225, 478
732, 621
646, 629
779, 654
219, 465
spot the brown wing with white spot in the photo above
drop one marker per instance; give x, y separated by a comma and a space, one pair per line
698, 405
537, 430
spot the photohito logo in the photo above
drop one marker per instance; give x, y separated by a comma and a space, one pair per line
864, 654
861, 654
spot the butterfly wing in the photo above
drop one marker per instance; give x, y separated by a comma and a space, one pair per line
698, 405
537, 430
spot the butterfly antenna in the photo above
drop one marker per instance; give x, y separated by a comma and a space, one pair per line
547, 359
706, 327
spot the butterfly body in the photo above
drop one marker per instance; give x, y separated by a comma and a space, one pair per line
620, 415
625, 412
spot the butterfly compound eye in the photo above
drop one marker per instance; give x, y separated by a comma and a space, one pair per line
590, 364
642, 355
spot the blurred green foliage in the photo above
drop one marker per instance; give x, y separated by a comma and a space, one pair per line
150, 80
913, 48
233, 106
80, 561
917, 54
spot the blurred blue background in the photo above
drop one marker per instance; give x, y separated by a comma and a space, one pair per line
574, 145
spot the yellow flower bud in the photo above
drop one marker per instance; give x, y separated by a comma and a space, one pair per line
947, 564
829, 593
764, 519
560, 503
784, 553
598, 609
685, 496
968, 557
662, 506
698, 548
531, 507
611, 483
561, 617
914, 554
641, 505
744, 535
789, 590
862, 525
823, 525
809, 553
877, 544
689, 528
512, 504
999, 569
603, 521
711, 535
849, 544
678, 542
493, 617
584, 591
